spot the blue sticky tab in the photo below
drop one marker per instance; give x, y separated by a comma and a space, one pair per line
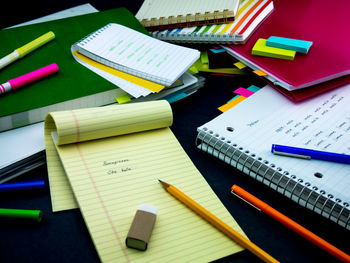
216, 51
302, 46
175, 97
253, 88
233, 98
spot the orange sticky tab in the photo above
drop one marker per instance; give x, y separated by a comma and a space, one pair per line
260, 73
231, 104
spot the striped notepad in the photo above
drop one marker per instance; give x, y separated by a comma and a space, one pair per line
250, 14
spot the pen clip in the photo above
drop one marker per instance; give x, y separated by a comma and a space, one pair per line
232, 192
292, 155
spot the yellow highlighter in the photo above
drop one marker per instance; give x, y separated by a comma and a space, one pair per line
24, 50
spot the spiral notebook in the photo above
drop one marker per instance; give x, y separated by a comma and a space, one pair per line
243, 136
157, 14
137, 54
250, 15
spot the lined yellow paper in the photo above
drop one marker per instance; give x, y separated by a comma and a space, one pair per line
110, 177
136, 80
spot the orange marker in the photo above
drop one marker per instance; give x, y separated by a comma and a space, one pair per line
236, 190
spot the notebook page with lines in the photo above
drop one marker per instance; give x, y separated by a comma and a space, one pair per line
111, 175
243, 137
135, 53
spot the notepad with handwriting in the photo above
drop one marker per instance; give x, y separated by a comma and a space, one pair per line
135, 53
243, 136
113, 157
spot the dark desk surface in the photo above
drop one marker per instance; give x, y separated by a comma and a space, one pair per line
63, 236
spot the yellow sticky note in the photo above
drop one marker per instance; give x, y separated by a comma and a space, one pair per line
231, 104
240, 65
260, 73
136, 80
261, 49
123, 99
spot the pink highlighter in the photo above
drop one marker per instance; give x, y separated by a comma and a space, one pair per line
28, 78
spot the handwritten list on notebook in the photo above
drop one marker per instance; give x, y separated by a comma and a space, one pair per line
138, 54
321, 123
113, 157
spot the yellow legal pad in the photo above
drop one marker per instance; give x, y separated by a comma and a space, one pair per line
261, 49
113, 157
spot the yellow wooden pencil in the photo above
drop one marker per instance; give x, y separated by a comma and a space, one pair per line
216, 222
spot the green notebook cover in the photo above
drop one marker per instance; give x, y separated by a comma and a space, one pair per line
72, 80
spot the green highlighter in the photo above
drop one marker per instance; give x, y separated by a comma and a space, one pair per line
35, 215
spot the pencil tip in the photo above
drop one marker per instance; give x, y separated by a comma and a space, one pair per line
164, 184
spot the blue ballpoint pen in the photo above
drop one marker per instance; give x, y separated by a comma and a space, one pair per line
309, 154
16, 186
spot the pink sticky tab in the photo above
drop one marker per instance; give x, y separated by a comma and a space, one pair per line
33, 76
244, 92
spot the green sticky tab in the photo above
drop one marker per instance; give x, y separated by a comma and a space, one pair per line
123, 99
204, 57
261, 49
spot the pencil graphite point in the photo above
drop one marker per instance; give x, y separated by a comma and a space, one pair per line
164, 184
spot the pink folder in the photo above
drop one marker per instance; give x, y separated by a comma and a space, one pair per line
326, 23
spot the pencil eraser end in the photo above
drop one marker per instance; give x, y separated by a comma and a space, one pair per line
141, 228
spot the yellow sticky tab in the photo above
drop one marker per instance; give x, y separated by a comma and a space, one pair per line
260, 73
36, 43
240, 65
261, 49
123, 99
136, 80
231, 104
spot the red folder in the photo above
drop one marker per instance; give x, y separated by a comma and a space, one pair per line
325, 23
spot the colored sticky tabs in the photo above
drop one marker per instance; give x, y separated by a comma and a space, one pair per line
253, 88
260, 73
240, 65
175, 97
261, 49
233, 98
221, 50
204, 57
193, 69
123, 99
302, 46
244, 92
231, 104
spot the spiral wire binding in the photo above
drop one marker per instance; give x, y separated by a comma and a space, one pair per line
274, 177
189, 20
93, 35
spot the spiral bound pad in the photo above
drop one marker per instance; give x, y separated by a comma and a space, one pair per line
250, 15
243, 135
158, 14
137, 54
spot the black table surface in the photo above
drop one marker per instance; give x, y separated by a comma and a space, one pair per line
63, 236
